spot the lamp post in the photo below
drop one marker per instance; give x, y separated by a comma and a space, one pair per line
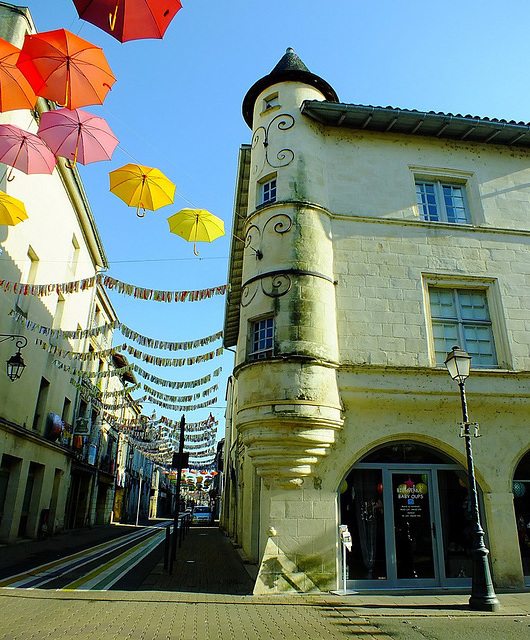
483, 596
15, 364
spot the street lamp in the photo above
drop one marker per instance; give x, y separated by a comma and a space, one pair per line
483, 596
15, 364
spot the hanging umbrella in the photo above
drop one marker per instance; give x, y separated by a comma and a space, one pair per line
142, 187
64, 68
12, 211
24, 151
196, 225
15, 90
77, 135
129, 19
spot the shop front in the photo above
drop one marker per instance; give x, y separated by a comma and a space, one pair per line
409, 515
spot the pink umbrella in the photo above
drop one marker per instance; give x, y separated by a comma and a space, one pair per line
78, 135
24, 151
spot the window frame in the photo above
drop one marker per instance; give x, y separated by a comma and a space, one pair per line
263, 185
460, 322
438, 184
267, 351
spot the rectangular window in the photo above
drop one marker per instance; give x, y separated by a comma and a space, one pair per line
442, 202
40, 410
461, 317
73, 258
268, 191
261, 339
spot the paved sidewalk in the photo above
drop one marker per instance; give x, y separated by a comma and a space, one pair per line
206, 598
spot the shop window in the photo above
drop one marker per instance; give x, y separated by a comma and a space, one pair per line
521, 503
261, 339
461, 317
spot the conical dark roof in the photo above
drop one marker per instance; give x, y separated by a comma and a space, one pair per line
289, 68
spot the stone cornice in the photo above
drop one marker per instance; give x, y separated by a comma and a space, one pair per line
281, 204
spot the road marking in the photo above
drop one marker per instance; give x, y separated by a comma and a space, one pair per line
43, 574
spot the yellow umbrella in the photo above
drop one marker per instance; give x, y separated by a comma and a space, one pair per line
12, 211
196, 225
142, 187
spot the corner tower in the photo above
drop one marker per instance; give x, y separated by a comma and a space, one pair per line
281, 311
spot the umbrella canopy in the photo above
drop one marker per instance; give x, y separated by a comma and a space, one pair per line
12, 211
24, 151
15, 90
142, 187
64, 68
129, 19
77, 135
196, 225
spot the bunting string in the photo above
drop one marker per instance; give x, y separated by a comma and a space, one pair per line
89, 356
112, 284
128, 333
98, 375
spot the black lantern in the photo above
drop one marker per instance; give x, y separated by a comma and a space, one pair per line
15, 364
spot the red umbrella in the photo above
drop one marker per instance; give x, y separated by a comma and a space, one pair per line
64, 68
15, 90
129, 19
78, 135
24, 151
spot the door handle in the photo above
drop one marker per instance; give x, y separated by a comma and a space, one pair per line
433, 529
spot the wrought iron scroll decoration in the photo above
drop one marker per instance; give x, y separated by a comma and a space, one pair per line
283, 224
273, 285
285, 156
276, 283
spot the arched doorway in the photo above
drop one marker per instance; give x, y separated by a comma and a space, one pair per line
407, 508
521, 503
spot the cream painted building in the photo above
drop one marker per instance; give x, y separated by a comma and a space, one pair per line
59, 242
367, 242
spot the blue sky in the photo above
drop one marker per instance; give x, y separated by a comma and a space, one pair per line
176, 105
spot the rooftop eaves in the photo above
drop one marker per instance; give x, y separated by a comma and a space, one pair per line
419, 123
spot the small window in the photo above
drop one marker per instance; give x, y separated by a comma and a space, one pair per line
73, 258
59, 312
270, 102
268, 191
442, 202
461, 317
261, 339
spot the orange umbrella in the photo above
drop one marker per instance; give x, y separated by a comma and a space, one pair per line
15, 90
64, 68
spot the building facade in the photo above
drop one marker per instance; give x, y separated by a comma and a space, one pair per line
367, 243
58, 433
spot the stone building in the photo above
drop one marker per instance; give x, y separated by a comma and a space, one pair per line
367, 242
57, 452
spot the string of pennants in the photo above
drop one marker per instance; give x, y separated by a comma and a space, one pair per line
128, 333
136, 353
112, 284
166, 405
161, 446
98, 375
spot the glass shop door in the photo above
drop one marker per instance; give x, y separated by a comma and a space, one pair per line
412, 538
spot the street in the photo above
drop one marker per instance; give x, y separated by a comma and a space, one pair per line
120, 563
